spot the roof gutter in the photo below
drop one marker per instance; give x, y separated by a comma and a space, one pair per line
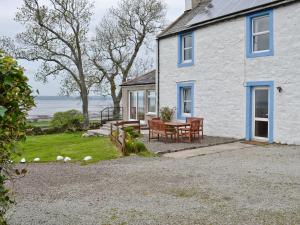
129, 85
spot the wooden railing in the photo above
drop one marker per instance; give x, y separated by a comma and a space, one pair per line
118, 135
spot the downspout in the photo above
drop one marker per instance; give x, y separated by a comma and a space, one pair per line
158, 77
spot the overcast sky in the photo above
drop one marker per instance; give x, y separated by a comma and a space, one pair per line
8, 27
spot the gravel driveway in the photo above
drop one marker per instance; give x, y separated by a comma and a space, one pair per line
257, 185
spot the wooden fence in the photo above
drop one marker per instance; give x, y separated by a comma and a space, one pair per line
118, 135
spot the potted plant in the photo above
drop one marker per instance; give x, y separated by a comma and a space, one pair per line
167, 114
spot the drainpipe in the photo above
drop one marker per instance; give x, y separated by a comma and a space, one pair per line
158, 80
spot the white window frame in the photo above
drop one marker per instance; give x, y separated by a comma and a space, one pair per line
183, 48
136, 105
148, 97
253, 35
185, 101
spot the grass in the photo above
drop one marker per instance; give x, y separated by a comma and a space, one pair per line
40, 123
147, 154
48, 147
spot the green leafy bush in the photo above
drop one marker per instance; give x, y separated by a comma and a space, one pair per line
35, 131
132, 144
70, 120
94, 125
132, 132
167, 114
15, 101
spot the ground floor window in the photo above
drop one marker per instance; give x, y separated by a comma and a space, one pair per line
151, 98
185, 100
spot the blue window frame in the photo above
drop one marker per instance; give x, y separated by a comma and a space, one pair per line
249, 108
186, 49
185, 100
260, 37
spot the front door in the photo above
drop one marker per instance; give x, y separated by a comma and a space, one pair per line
260, 113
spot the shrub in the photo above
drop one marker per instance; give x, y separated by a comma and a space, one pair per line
132, 144
70, 120
15, 102
167, 114
131, 131
37, 131
95, 125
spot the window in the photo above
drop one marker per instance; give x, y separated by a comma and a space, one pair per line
185, 100
186, 50
260, 34
151, 102
136, 105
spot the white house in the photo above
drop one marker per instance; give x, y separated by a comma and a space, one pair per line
236, 64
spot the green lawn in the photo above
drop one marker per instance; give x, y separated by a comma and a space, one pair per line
48, 147
40, 123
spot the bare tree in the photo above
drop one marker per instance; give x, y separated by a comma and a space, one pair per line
120, 36
56, 35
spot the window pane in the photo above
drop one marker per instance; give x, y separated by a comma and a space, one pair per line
186, 100
141, 106
187, 41
261, 129
132, 98
187, 107
188, 54
261, 103
187, 94
261, 24
151, 101
261, 42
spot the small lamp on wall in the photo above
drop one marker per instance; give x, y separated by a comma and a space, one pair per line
279, 89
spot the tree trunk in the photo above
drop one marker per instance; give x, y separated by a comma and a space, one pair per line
117, 110
85, 108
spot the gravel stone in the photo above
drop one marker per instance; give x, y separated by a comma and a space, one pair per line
259, 185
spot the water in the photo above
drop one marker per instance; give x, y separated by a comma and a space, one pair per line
46, 106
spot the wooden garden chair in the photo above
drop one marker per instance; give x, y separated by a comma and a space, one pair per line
192, 131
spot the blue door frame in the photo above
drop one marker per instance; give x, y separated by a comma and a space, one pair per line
249, 107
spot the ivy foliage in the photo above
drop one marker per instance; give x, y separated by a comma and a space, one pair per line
15, 101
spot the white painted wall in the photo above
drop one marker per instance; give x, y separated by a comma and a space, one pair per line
221, 70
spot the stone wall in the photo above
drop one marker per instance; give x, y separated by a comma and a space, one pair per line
222, 69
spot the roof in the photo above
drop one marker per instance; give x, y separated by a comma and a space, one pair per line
211, 11
148, 78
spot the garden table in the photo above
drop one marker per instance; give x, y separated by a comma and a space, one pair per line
176, 126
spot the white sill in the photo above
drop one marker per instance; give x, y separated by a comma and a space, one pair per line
258, 52
151, 114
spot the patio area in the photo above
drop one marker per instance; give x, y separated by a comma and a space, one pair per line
160, 147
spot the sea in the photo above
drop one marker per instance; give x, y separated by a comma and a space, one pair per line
46, 106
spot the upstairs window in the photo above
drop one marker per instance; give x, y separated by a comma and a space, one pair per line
260, 34
186, 50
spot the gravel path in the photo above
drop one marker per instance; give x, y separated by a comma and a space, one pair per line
259, 185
